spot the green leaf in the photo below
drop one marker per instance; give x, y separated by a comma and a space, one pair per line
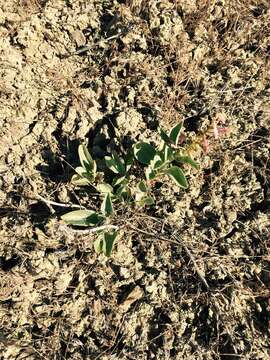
111, 164
157, 162
144, 152
115, 164
150, 174
185, 159
143, 199
108, 242
175, 133
82, 218
86, 160
104, 188
81, 171
149, 200
79, 181
98, 246
178, 176
164, 136
106, 206
143, 187
119, 163
168, 153
129, 159
84, 173
122, 192
120, 181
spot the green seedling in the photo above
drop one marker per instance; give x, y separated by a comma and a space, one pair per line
104, 244
143, 194
86, 173
88, 218
167, 160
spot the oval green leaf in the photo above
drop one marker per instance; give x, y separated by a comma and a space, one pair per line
82, 218
178, 176
144, 152
107, 206
185, 159
157, 162
168, 153
143, 187
150, 174
86, 159
129, 159
148, 200
175, 133
164, 136
79, 181
104, 188
122, 192
84, 174
119, 162
108, 242
110, 163
120, 181
114, 165
98, 246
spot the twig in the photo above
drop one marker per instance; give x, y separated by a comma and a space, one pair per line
176, 242
154, 235
50, 202
199, 272
89, 47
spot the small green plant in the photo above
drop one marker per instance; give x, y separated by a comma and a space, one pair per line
166, 160
86, 175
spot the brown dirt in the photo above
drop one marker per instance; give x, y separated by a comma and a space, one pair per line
147, 63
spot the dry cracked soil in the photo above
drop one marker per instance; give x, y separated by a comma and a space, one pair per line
110, 72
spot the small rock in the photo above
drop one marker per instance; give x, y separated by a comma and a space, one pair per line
136, 294
78, 37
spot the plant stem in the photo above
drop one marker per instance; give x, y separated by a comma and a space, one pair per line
91, 230
50, 202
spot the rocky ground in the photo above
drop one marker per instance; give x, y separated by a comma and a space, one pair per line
111, 72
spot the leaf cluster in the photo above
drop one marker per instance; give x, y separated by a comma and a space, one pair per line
166, 160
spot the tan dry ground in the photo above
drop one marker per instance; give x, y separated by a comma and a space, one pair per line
147, 63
